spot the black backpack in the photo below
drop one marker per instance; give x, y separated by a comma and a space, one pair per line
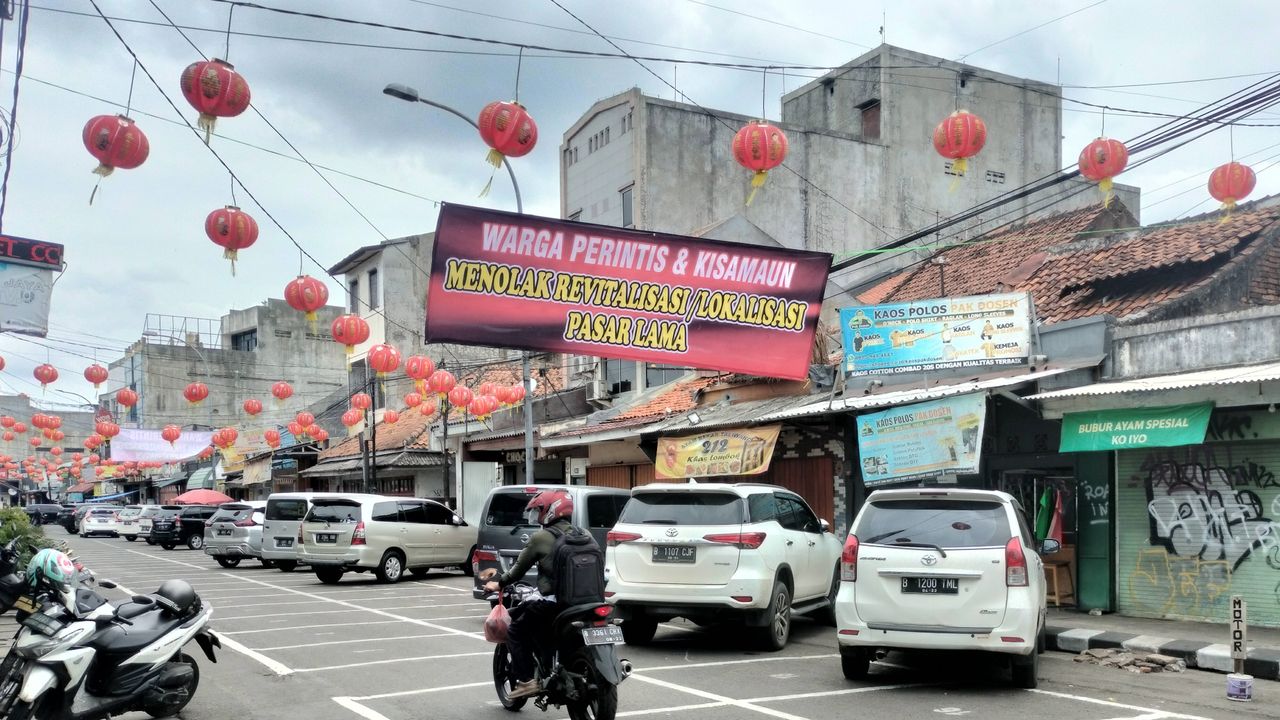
578, 564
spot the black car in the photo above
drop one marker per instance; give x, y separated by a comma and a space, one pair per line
43, 513
183, 528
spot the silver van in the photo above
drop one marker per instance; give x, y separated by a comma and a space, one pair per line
284, 515
504, 532
383, 534
235, 533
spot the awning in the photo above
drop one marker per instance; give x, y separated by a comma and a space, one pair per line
113, 497
83, 487
201, 479
1181, 381
338, 467
167, 481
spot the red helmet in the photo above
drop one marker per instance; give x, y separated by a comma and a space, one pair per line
550, 506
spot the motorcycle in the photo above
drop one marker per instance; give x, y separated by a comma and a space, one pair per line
78, 657
580, 670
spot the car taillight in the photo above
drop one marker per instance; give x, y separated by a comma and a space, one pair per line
299, 533
357, 535
617, 537
485, 556
849, 559
1015, 564
744, 541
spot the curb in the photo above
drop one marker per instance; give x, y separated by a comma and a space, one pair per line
1262, 663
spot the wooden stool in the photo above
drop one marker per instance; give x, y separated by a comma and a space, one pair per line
1056, 567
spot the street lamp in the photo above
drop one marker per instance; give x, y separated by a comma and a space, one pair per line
408, 94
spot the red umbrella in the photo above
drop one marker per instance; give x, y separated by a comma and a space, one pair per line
201, 497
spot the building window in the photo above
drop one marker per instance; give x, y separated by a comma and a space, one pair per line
575, 153
627, 219
246, 341
591, 145
353, 292
606, 136
373, 290
870, 119
656, 375
615, 375
568, 156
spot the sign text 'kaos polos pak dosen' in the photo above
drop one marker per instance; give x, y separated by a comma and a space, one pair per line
506, 280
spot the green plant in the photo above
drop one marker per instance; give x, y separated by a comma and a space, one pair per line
14, 522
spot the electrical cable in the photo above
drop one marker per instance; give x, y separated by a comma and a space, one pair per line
19, 62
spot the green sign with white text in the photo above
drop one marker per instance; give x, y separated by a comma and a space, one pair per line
1101, 430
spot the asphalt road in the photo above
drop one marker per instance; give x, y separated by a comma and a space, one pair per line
296, 649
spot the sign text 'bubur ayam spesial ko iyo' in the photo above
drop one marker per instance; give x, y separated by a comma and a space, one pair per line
507, 280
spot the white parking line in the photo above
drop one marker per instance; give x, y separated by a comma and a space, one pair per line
1111, 703
352, 642
393, 661
276, 667
284, 615
310, 627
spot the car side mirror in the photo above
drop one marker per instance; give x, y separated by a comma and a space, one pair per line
826, 526
459, 521
1050, 546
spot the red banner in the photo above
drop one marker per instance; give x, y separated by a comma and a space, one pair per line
518, 281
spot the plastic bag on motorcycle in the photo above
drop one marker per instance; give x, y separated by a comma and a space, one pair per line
497, 624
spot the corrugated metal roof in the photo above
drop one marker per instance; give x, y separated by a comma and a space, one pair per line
340, 466
1203, 378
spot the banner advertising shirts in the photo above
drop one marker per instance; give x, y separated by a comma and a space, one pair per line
742, 451
518, 281
1135, 428
934, 334
922, 440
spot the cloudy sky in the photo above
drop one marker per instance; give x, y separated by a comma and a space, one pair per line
141, 247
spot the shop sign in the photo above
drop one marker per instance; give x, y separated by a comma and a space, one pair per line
35, 253
960, 332
1100, 430
519, 281
922, 440
742, 451
25, 296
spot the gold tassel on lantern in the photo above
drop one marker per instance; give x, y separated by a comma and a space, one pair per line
959, 166
231, 255
1105, 185
206, 123
757, 182
494, 158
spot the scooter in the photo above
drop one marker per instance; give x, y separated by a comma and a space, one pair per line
580, 670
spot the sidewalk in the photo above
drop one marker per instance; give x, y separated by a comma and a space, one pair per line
1201, 645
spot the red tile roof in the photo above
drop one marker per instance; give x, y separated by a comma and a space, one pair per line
410, 431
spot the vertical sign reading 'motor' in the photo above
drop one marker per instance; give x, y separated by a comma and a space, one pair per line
518, 281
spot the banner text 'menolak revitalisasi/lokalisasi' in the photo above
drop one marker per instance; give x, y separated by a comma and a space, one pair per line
620, 293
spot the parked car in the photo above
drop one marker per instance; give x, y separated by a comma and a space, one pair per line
503, 530
100, 521
71, 521
235, 533
66, 518
928, 569
150, 514
127, 522
714, 552
43, 513
186, 527
284, 515
387, 535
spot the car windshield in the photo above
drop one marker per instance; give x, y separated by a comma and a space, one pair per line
102, 512
506, 509
945, 523
334, 512
130, 512
286, 509
684, 508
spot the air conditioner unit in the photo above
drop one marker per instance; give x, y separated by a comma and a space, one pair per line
597, 391
578, 467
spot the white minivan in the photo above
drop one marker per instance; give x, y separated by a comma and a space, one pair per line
284, 515
932, 569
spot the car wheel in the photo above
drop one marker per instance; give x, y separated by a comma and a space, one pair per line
421, 572
150, 541
774, 636
168, 546
639, 631
84, 535
329, 575
227, 562
70, 531
267, 563
287, 565
195, 542
131, 538
467, 569
391, 568
1026, 670
855, 662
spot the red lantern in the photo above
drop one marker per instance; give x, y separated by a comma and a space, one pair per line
282, 391
349, 330
107, 429
214, 88
314, 430
232, 229
57, 435
126, 397
384, 358
39, 420
390, 417
253, 406
441, 382
1102, 160
94, 459
960, 136
171, 433
196, 392
412, 399
77, 457
19, 427
95, 374
429, 407
502, 394
508, 130
295, 429
305, 419
477, 407
306, 295
419, 367
46, 374
9, 436
460, 396
272, 437
226, 437
53, 422
486, 388
35, 442
1, 363
759, 147
1230, 183
352, 417
8, 421
320, 435
205, 454
116, 142
57, 451
361, 401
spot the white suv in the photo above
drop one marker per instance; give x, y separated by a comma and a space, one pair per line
937, 569
711, 551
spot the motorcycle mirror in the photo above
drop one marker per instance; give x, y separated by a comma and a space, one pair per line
107, 584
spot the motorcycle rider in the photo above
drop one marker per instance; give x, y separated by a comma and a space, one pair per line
551, 509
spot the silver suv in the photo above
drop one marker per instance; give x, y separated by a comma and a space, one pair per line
235, 533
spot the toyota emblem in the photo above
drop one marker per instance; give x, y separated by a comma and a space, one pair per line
928, 560
524, 538
672, 532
